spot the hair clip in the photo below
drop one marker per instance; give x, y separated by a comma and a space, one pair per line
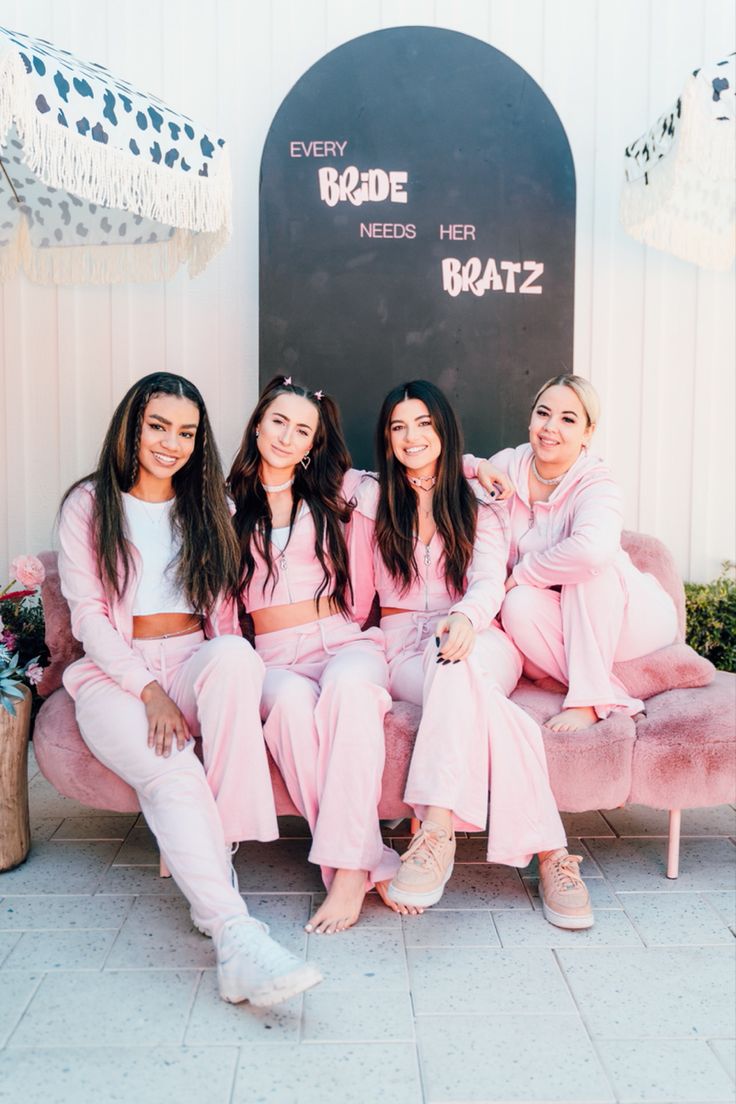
287, 381
318, 395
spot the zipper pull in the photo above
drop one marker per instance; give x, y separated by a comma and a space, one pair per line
427, 557
282, 561
531, 518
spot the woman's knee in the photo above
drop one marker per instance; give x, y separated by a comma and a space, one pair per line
520, 604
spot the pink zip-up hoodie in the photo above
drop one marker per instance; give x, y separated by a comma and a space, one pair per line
101, 622
297, 572
574, 534
484, 592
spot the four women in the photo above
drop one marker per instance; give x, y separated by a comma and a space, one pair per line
153, 565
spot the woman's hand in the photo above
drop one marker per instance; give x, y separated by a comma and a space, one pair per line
166, 721
498, 485
460, 638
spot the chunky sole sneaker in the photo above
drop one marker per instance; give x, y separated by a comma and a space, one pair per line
563, 893
426, 867
414, 897
253, 967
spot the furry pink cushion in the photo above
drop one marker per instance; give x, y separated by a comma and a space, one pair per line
675, 667
650, 555
64, 648
685, 751
589, 769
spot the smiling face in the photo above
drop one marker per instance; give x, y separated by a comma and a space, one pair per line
414, 440
558, 430
168, 432
285, 435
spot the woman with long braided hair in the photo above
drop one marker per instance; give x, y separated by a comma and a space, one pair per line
149, 566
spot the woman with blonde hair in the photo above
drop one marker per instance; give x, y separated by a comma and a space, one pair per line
575, 604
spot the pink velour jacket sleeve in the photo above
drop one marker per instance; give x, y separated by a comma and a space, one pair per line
487, 572
593, 542
82, 587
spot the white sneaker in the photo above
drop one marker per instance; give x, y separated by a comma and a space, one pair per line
230, 849
251, 966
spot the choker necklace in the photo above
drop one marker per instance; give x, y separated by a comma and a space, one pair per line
272, 489
420, 480
547, 482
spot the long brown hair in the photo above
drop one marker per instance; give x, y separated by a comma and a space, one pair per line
207, 564
454, 506
319, 486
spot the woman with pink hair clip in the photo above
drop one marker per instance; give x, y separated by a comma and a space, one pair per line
325, 693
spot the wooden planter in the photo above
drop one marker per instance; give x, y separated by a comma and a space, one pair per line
15, 828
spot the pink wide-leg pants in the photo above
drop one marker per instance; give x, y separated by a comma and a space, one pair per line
324, 701
473, 743
193, 811
577, 633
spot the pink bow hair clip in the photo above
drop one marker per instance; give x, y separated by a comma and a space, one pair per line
287, 381
318, 395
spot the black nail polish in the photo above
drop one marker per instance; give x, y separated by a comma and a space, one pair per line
437, 641
456, 661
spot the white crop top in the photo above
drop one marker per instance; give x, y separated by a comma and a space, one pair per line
149, 529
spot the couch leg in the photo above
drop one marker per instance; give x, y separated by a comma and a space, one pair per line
414, 825
163, 869
673, 844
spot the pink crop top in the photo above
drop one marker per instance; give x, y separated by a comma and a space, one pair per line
297, 572
486, 575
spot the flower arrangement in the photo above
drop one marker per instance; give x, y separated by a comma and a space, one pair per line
22, 647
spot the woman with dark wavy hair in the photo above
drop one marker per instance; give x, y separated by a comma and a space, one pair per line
325, 692
149, 566
425, 539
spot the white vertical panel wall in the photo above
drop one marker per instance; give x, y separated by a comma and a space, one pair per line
656, 335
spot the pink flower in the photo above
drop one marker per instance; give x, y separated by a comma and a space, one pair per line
9, 640
34, 673
2, 626
28, 570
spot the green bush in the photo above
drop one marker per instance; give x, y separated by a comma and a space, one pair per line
711, 618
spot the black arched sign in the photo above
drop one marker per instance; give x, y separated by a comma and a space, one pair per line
417, 218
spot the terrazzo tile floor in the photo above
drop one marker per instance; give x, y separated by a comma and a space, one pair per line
107, 993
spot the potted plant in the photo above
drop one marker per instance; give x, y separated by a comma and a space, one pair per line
21, 648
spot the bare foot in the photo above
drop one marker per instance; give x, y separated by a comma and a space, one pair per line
572, 720
405, 910
341, 907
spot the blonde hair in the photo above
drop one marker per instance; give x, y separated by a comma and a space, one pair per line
584, 390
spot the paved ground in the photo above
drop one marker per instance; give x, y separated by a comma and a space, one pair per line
107, 994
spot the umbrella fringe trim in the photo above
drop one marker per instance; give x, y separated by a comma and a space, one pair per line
649, 212
109, 176
108, 264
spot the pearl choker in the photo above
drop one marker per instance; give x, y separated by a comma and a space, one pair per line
277, 486
547, 482
420, 480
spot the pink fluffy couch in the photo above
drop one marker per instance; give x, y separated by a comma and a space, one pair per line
679, 755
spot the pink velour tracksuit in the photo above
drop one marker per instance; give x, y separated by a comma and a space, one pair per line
472, 740
216, 683
325, 697
580, 604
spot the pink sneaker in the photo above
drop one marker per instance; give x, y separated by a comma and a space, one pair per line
425, 867
565, 898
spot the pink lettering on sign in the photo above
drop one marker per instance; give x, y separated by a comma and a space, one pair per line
358, 186
458, 231
388, 230
476, 277
318, 148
